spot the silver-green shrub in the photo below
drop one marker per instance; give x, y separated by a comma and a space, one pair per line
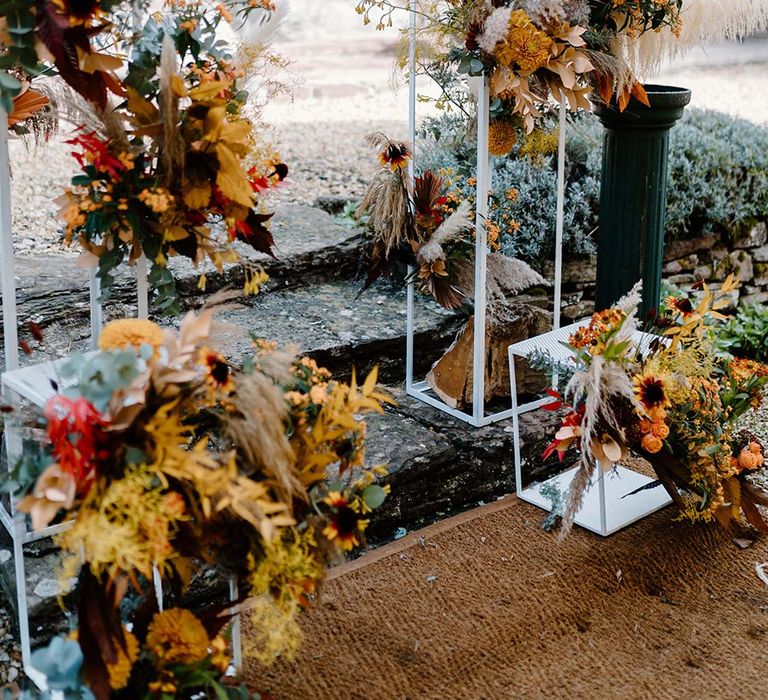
718, 176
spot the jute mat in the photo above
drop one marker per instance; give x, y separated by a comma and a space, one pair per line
488, 605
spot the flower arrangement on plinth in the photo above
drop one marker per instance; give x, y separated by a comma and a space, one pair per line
428, 226
164, 457
178, 168
676, 402
535, 52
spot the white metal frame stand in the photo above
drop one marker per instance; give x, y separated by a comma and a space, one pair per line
34, 384
605, 510
421, 390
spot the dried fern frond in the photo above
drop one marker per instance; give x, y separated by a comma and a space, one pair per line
378, 140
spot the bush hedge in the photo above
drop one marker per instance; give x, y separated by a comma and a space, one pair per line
718, 178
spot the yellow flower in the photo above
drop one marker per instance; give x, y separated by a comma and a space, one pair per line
524, 45
120, 671
130, 333
176, 636
220, 657
501, 137
650, 392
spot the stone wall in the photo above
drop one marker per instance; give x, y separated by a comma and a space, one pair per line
741, 250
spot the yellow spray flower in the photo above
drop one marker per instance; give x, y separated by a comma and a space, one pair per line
120, 671
502, 137
176, 636
130, 333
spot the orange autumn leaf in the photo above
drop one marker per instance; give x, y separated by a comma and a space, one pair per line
26, 105
604, 88
639, 93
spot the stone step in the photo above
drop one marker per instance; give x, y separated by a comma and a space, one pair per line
341, 328
311, 246
439, 465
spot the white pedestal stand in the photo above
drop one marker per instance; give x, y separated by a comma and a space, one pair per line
420, 389
605, 508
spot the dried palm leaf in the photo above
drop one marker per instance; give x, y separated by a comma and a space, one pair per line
504, 276
426, 191
172, 147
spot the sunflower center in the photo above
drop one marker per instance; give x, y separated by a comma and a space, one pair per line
652, 392
219, 371
346, 521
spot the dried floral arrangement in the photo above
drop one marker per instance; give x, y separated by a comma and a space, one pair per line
535, 52
426, 225
676, 403
179, 167
164, 457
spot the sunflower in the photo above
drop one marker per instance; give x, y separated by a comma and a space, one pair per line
396, 155
345, 523
131, 333
680, 304
502, 137
218, 374
176, 636
651, 393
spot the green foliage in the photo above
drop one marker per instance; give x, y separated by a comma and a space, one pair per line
718, 176
555, 496
746, 334
97, 378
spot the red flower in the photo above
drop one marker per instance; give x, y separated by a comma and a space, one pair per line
96, 153
75, 432
568, 434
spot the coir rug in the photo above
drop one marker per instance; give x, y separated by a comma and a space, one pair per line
488, 605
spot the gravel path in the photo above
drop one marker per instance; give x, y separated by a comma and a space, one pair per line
10, 653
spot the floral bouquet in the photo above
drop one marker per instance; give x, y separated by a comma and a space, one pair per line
162, 457
178, 168
68, 36
426, 225
675, 401
535, 52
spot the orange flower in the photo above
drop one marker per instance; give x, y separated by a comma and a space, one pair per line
218, 374
680, 304
176, 636
652, 444
502, 137
395, 155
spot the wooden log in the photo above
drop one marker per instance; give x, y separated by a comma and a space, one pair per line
451, 376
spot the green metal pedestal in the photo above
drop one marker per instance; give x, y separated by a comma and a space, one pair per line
633, 194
